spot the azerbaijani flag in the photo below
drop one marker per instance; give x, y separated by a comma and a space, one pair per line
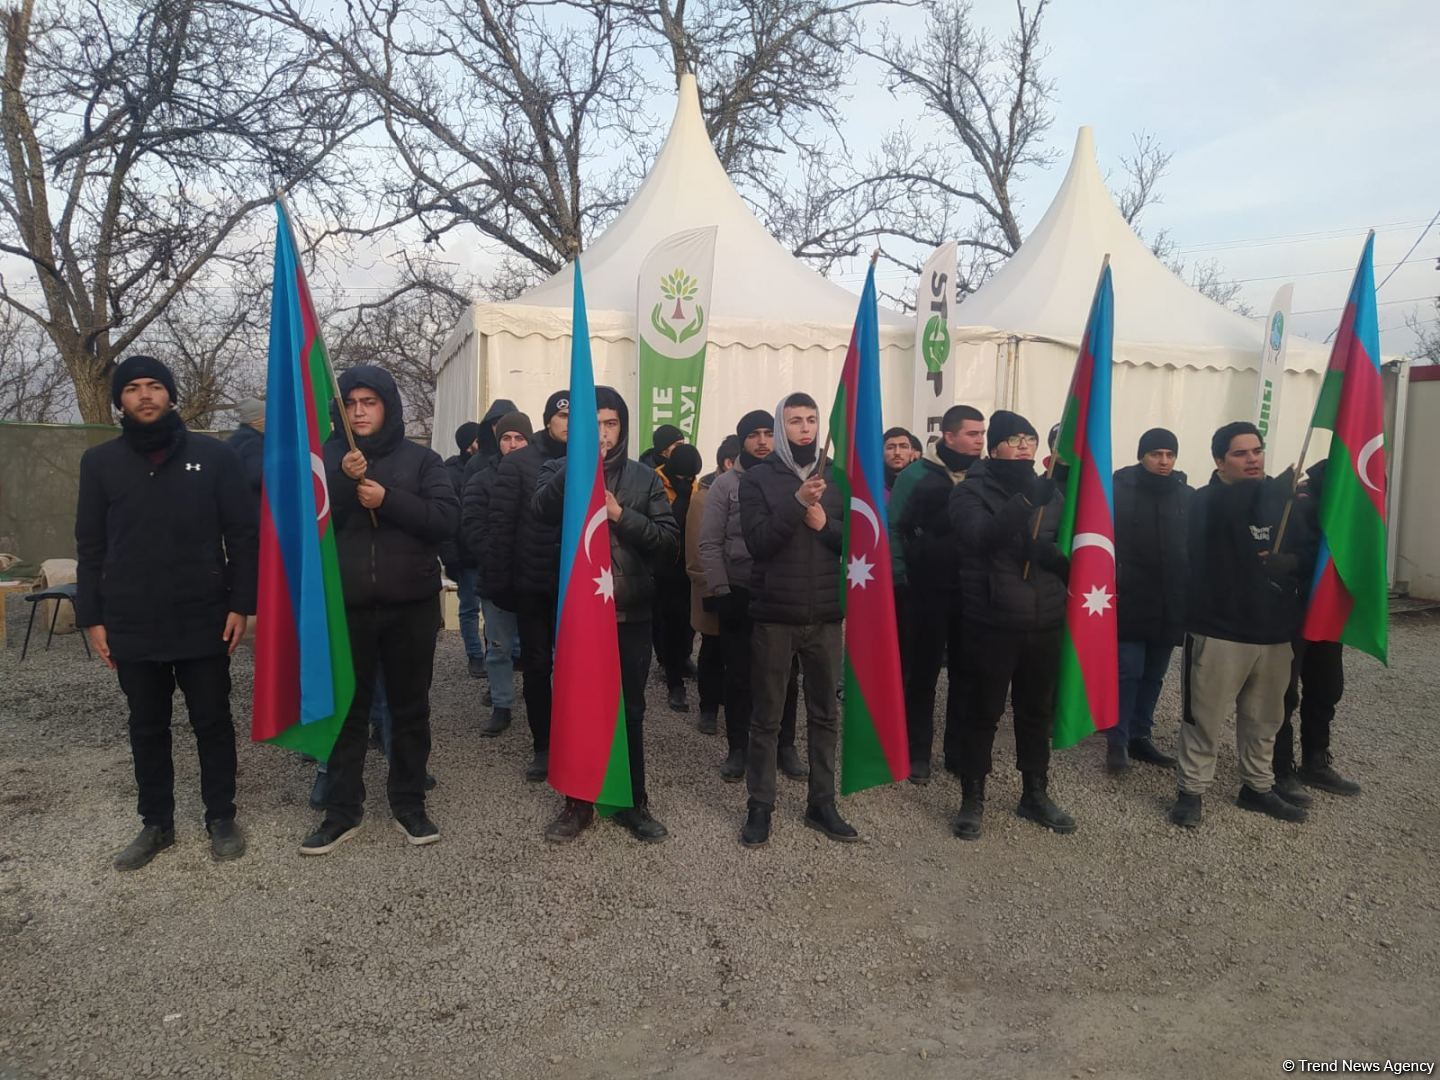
1087, 694
589, 755
304, 678
1349, 599
875, 748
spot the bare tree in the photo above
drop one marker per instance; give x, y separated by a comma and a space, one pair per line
1427, 335
1144, 168
139, 137
33, 386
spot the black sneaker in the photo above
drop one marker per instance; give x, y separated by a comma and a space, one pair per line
477, 667
919, 773
326, 838
732, 769
756, 832
150, 841
679, 700
709, 721
498, 724
1117, 756
638, 821
1187, 811
574, 819
1317, 772
538, 770
226, 840
787, 760
969, 821
1267, 802
1289, 788
417, 827
1145, 750
827, 819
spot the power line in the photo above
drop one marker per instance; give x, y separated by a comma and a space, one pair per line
1382, 303
1295, 238
1413, 246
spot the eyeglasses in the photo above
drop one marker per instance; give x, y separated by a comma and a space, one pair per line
1018, 441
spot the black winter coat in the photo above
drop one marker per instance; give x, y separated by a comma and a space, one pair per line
395, 559
475, 519
932, 547
645, 536
249, 446
521, 554
164, 552
455, 553
797, 576
1151, 566
995, 529
1234, 594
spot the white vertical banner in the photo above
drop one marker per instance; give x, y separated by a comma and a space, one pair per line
672, 327
1272, 364
934, 304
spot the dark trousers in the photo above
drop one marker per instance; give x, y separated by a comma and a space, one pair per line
535, 617
1023, 663
906, 632
1317, 683
674, 638
634, 640
774, 647
710, 672
149, 687
934, 635
398, 641
736, 628
1142, 675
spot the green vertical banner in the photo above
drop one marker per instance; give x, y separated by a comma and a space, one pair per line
672, 322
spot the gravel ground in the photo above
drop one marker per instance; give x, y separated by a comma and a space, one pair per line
1125, 950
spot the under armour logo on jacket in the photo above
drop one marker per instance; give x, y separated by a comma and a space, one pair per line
1258, 532
192, 465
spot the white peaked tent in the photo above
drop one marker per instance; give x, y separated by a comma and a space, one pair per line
1182, 360
776, 325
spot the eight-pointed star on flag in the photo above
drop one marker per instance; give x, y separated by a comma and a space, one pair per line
1097, 601
605, 584
859, 575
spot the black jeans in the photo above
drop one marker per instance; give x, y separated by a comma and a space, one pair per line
1025, 664
398, 640
535, 618
776, 647
674, 637
710, 672
935, 634
634, 639
149, 687
1318, 670
736, 628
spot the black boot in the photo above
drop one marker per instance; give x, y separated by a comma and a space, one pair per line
1144, 749
972, 808
757, 825
641, 824
919, 773
732, 770
826, 819
498, 723
1267, 802
572, 820
151, 840
1317, 772
709, 720
1187, 811
539, 768
1288, 787
787, 760
226, 840
1037, 806
1117, 755
679, 701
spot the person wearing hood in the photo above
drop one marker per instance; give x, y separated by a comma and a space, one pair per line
643, 534
502, 635
663, 440
1151, 567
1318, 670
710, 667
791, 520
729, 570
248, 441
520, 567
934, 610
461, 564
674, 636
167, 554
1012, 586
1244, 606
391, 505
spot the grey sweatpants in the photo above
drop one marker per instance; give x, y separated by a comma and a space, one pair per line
1220, 676
772, 647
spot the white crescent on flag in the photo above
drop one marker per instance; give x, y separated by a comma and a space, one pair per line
1084, 540
1362, 460
317, 466
590, 527
866, 511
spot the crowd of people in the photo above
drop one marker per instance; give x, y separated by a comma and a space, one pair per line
746, 556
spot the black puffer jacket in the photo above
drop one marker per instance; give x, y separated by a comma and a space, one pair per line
475, 520
1151, 567
455, 553
521, 553
396, 558
797, 576
1234, 594
164, 552
994, 527
646, 534
932, 550
249, 446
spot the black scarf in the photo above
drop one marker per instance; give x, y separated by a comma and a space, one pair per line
150, 438
1014, 474
1153, 483
749, 460
953, 459
803, 455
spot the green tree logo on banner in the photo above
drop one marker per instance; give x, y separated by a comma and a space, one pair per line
936, 344
678, 286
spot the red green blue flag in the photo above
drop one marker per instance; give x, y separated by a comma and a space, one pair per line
304, 678
875, 747
589, 756
1349, 600
1087, 693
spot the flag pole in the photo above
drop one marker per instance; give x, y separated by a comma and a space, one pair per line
825, 446
319, 334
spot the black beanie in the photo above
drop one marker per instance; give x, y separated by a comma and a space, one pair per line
513, 421
466, 434
138, 366
1003, 424
753, 421
1157, 438
557, 402
684, 460
666, 436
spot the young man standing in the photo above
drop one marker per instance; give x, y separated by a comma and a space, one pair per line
513, 433
248, 441
710, 674
897, 452
521, 567
1245, 605
791, 520
461, 565
392, 506
674, 636
167, 556
643, 534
